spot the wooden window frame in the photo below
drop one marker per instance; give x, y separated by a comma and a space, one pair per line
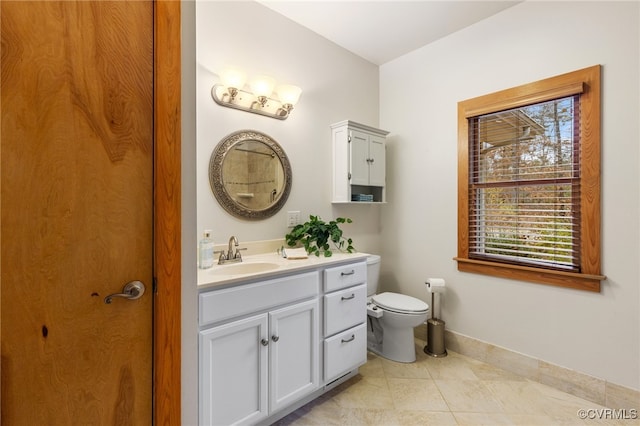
585, 82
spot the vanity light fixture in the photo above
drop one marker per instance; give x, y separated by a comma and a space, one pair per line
230, 93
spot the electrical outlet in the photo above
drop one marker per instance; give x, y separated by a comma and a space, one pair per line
293, 219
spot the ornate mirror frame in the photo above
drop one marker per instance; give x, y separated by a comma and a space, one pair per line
217, 178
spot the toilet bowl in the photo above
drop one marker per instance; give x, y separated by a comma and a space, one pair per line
391, 318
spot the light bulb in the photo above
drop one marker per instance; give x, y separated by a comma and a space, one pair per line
233, 78
262, 86
289, 94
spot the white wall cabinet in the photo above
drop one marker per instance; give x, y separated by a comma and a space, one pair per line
358, 162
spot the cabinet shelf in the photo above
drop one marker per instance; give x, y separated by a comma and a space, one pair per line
359, 202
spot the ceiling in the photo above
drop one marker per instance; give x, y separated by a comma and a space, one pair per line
380, 31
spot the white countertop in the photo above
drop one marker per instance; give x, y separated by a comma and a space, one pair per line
217, 276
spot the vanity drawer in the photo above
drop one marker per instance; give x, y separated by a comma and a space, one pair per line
345, 276
218, 305
344, 352
344, 309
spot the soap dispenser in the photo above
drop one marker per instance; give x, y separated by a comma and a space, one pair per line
205, 251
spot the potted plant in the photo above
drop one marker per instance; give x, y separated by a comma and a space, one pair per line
315, 236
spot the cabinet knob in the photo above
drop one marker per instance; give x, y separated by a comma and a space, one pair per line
264, 342
275, 338
348, 297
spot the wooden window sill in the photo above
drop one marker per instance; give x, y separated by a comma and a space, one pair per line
575, 280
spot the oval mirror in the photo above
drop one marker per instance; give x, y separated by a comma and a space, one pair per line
250, 175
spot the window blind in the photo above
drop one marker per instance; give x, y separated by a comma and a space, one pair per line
524, 185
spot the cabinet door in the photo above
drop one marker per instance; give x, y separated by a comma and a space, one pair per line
293, 353
359, 154
377, 163
233, 378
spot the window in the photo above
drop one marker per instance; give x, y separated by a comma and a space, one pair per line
529, 182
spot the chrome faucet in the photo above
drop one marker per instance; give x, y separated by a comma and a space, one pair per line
231, 256
232, 241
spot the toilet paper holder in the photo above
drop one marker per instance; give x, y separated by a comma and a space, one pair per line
435, 327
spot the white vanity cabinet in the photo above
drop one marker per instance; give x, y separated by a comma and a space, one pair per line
268, 346
358, 162
255, 365
344, 320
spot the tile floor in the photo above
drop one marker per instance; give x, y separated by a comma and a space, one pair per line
454, 390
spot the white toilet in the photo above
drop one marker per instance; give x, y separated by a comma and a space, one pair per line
391, 318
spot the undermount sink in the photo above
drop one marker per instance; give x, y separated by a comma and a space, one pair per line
243, 268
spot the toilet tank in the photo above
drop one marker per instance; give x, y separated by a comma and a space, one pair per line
373, 274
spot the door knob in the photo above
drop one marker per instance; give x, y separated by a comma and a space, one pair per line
131, 291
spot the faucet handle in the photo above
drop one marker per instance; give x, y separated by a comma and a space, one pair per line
222, 256
238, 255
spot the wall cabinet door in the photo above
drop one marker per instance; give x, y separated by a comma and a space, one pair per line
376, 161
359, 158
367, 159
233, 372
293, 353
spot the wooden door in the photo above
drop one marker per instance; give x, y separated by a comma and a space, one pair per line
77, 212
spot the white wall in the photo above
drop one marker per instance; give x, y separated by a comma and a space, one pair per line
597, 334
189, 298
336, 84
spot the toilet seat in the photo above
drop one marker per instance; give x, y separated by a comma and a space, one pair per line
400, 303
